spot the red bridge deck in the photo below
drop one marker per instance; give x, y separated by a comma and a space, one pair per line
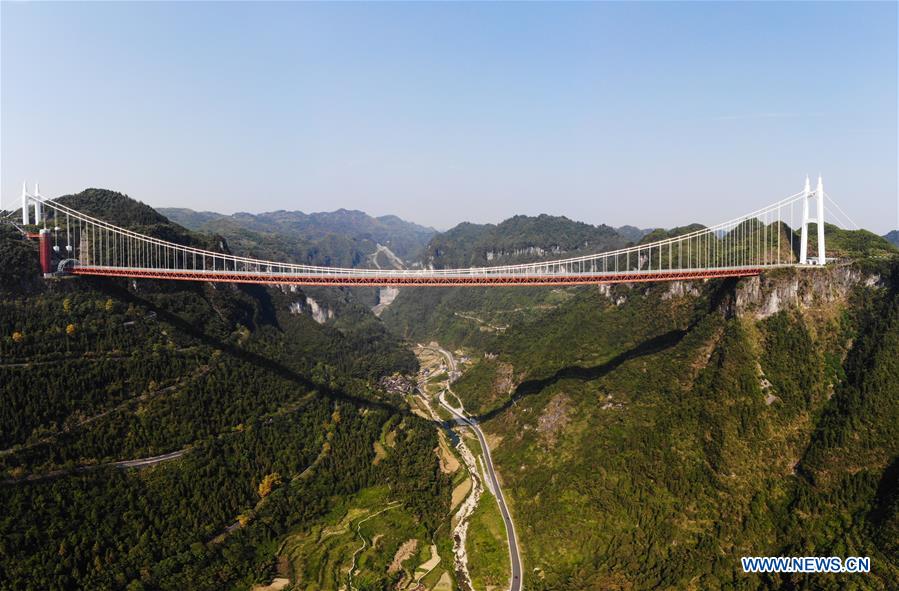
413, 280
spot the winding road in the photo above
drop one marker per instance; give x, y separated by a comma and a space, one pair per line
462, 419
122, 464
144, 462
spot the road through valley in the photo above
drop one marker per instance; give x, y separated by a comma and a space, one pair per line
463, 419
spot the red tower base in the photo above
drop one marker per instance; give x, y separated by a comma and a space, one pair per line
44, 247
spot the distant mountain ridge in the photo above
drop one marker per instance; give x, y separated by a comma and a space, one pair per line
351, 237
892, 237
406, 239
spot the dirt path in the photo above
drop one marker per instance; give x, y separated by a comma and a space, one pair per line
494, 327
390, 506
395, 261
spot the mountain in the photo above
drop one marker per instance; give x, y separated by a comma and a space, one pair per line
853, 244
661, 233
163, 435
518, 239
472, 315
648, 437
892, 237
405, 239
342, 238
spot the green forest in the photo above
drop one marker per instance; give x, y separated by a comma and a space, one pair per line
271, 418
690, 428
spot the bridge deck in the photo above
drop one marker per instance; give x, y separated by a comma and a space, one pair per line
417, 278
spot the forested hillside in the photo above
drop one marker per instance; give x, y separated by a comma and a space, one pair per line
651, 436
473, 315
250, 418
519, 239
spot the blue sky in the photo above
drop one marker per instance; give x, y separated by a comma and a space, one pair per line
652, 114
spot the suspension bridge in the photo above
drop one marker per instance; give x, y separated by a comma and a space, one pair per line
74, 243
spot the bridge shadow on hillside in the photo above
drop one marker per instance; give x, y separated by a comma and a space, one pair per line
886, 495
249, 357
586, 374
720, 298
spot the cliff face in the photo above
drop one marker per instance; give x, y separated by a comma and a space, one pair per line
804, 289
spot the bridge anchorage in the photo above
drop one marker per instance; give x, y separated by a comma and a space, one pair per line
81, 244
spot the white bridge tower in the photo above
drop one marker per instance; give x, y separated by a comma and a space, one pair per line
27, 200
818, 196
25, 205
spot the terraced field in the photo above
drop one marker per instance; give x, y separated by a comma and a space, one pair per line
378, 541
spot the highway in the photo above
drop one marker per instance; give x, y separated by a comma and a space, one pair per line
461, 418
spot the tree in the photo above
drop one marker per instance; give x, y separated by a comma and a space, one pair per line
269, 482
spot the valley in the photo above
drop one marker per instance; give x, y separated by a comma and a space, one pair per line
432, 439
438, 371
449, 296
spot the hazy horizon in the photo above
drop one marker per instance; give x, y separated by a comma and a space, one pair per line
443, 113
